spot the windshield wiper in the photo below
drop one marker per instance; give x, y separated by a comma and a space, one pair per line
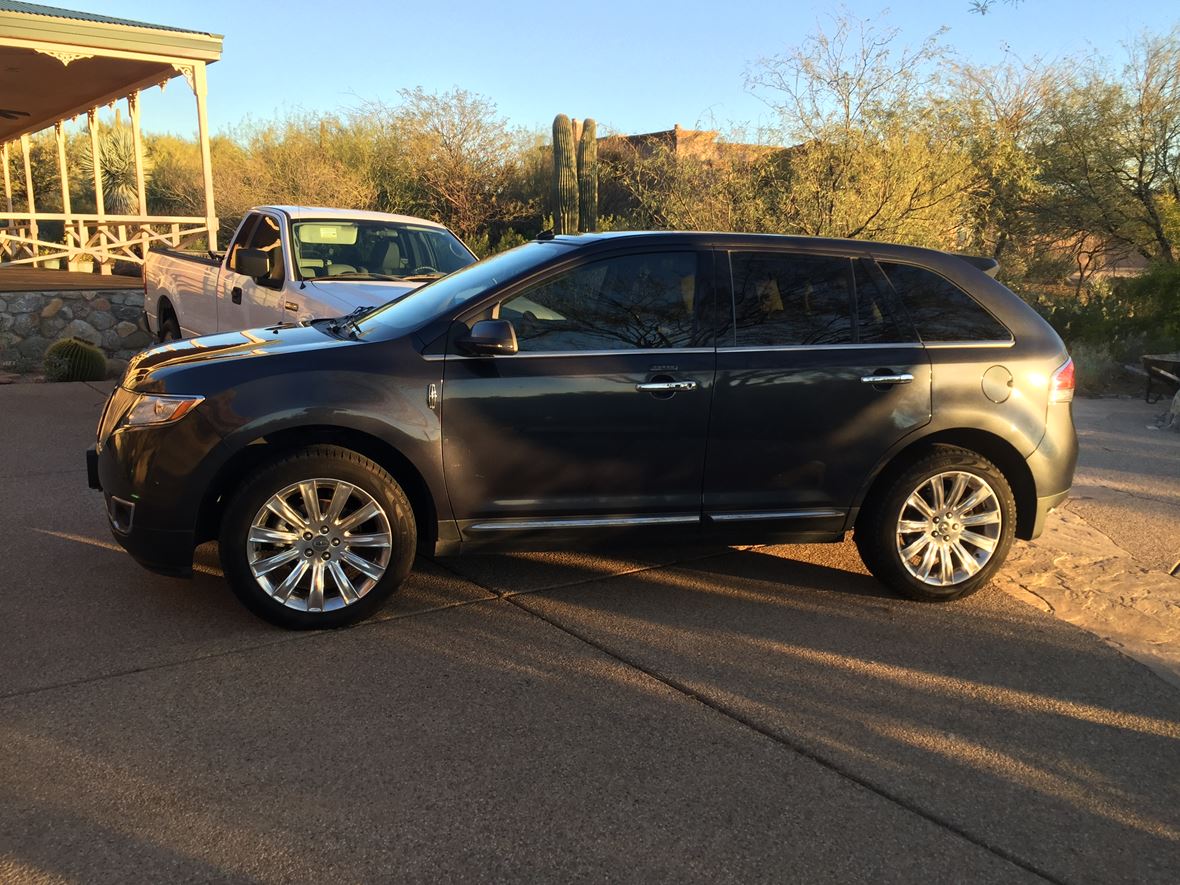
347, 323
423, 277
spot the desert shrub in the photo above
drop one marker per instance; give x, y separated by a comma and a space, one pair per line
1098, 370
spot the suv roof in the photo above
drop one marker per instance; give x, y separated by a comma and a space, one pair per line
723, 239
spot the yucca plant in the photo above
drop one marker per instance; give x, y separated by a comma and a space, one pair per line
116, 150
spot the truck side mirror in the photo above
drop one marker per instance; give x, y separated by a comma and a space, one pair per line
252, 262
489, 338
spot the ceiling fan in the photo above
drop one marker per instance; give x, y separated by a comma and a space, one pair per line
10, 114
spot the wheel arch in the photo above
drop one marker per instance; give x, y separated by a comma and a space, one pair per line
275, 444
991, 446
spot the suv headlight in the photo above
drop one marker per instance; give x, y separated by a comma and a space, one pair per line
153, 409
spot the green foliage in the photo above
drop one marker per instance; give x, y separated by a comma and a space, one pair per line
565, 177
588, 177
71, 359
1098, 369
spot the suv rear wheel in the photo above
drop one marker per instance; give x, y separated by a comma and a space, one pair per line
941, 528
320, 538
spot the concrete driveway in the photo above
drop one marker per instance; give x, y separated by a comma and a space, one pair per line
696, 715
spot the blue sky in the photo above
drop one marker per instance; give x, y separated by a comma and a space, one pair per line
634, 66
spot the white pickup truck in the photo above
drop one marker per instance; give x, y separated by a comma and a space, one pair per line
291, 263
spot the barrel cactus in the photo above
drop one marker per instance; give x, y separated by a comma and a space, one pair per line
71, 359
588, 177
565, 177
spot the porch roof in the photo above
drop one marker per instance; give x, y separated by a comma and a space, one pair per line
57, 63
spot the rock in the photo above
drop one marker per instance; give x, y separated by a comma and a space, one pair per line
1173, 417
126, 329
10, 358
52, 308
25, 302
101, 321
83, 330
33, 348
6, 322
25, 324
138, 340
50, 327
129, 313
100, 304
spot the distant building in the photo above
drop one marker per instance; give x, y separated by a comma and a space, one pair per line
697, 144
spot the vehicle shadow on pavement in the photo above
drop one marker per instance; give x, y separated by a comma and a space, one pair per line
985, 713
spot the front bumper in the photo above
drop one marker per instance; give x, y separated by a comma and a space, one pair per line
152, 483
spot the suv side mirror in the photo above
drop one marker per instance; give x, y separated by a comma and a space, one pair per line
252, 262
489, 338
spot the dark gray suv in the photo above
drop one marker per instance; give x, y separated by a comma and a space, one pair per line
595, 390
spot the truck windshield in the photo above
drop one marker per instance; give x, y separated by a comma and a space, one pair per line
346, 249
452, 292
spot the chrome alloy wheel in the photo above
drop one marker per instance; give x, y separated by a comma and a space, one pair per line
319, 545
948, 528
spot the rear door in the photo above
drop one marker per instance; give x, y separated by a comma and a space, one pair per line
599, 421
819, 376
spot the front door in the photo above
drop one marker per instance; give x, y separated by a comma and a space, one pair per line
599, 421
245, 302
820, 376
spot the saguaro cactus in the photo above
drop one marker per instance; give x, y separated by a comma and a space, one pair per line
565, 177
588, 177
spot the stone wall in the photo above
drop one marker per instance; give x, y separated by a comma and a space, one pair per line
30, 321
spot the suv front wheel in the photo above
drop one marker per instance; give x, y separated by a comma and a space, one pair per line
318, 538
941, 528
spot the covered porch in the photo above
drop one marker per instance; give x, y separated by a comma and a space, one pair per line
56, 66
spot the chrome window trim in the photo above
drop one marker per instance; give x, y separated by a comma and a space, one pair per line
650, 351
945, 345
752, 515
808, 347
581, 523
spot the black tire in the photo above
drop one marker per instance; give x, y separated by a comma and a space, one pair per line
169, 328
330, 463
876, 535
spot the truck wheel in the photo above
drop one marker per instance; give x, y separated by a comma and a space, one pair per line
169, 329
320, 538
940, 529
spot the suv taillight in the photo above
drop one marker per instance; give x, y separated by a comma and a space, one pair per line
1061, 385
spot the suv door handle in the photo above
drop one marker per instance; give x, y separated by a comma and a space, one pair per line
666, 386
902, 378
236, 295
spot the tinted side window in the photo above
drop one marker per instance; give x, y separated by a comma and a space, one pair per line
939, 309
878, 319
625, 303
782, 299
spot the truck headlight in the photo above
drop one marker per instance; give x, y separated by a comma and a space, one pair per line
153, 409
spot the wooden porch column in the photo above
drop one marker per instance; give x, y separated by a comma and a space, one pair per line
100, 229
140, 189
7, 179
67, 226
34, 233
200, 87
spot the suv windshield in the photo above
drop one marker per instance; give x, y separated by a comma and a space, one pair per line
354, 249
452, 292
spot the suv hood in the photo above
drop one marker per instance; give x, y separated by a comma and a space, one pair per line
150, 369
352, 294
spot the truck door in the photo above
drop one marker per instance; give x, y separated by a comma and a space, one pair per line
245, 302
